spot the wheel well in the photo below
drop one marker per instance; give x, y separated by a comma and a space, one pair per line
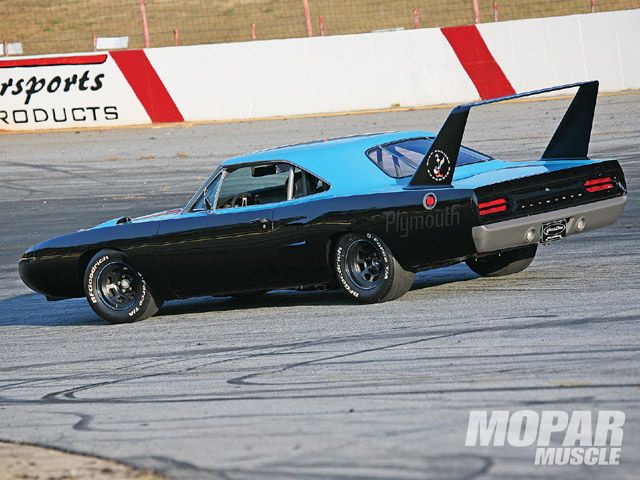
336, 236
331, 243
84, 260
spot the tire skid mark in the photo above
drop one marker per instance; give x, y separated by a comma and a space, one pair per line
183, 353
82, 425
70, 393
54, 169
169, 466
78, 376
463, 466
507, 356
284, 395
244, 380
10, 186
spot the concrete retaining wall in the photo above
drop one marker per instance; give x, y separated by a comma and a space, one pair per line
320, 74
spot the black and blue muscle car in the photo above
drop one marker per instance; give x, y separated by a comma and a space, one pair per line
366, 212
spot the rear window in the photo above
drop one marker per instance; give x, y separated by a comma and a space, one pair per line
401, 159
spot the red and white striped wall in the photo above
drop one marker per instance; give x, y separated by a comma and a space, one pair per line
320, 74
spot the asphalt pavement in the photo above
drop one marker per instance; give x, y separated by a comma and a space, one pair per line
309, 384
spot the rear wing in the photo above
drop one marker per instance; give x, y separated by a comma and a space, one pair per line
570, 140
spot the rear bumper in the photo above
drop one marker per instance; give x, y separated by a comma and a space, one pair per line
512, 233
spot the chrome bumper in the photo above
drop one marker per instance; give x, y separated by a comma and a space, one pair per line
512, 233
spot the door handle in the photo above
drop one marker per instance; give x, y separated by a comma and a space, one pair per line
261, 221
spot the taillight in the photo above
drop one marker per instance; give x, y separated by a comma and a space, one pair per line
493, 206
598, 184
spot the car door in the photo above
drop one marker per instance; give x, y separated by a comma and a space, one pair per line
224, 245
219, 252
301, 244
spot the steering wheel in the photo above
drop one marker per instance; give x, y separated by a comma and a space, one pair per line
240, 199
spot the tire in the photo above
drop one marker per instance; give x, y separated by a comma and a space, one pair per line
116, 291
367, 270
505, 263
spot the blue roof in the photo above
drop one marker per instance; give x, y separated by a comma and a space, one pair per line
342, 162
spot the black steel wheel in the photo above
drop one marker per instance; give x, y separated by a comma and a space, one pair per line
364, 264
116, 290
367, 270
119, 287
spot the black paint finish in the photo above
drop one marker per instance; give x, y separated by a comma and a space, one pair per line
289, 244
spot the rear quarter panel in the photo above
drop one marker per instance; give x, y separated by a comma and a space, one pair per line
418, 238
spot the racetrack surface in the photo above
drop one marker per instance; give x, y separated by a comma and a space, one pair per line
309, 384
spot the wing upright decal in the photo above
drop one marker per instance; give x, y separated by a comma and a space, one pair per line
439, 163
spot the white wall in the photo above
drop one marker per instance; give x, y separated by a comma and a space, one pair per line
337, 73
298, 76
72, 108
556, 50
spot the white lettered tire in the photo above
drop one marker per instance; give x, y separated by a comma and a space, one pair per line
367, 270
116, 291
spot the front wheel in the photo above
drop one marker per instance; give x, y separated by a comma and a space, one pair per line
116, 291
367, 270
505, 263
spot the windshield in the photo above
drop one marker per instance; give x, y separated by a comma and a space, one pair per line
401, 159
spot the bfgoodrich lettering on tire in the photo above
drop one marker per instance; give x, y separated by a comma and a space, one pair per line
116, 290
367, 270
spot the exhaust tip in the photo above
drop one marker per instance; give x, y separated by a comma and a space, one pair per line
530, 236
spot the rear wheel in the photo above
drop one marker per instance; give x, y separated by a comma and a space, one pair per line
505, 263
367, 270
116, 291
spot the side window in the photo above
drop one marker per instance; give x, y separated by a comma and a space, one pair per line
260, 185
393, 162
254, 185
210, 194
402, 158
306, 184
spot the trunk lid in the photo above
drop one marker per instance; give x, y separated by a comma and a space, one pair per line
525, 188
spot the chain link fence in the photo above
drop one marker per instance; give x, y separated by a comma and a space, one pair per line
56, 26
